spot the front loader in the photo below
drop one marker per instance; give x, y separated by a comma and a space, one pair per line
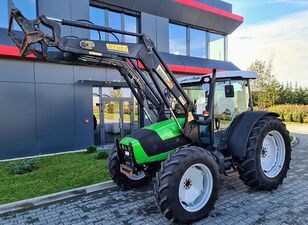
202, 126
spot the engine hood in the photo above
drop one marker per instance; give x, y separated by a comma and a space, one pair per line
154, 142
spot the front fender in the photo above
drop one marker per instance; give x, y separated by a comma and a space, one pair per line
240, 130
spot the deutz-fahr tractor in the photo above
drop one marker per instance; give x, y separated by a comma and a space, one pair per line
201, 126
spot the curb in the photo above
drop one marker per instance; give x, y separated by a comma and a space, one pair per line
45, 199
294, 140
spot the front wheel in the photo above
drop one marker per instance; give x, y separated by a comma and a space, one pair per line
268, 155
187, 185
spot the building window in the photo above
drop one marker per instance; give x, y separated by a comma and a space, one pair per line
115, 20
3, 13
97, 16
130, 24
217, 46
185, 40
27, 7
177, 39
198, 45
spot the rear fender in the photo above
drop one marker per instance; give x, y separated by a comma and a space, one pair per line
240, 130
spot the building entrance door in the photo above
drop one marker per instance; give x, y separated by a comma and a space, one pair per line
117, 118
116, 114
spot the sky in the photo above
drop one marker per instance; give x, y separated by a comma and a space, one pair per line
274, 30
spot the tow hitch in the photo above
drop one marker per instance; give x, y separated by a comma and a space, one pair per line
126, 170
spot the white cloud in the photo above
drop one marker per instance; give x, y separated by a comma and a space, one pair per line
290, 2
284, 40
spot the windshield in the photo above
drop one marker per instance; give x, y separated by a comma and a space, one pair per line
227, 108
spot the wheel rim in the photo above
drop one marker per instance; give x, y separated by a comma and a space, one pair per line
195, 187
273, 154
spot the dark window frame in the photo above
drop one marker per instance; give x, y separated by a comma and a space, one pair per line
207, 39
186, 37
122, 13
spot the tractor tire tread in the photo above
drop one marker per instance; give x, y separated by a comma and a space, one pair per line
247, 166
163, 185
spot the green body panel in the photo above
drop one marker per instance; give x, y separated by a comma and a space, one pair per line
165, 129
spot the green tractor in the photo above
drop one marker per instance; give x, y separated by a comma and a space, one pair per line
255, 143
201, 127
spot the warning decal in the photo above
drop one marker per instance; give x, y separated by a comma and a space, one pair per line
117, 48
165, 77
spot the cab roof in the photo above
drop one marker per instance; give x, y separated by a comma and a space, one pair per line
225, 74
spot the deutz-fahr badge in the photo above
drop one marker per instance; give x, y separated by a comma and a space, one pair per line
85, 44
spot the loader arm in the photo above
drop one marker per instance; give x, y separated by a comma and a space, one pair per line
42, 37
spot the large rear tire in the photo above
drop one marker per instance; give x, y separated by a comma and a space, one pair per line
268, 155
187, 184
137, 180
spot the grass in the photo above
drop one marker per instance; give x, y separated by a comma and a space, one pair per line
55, 174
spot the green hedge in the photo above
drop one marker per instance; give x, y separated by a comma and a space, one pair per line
290, 113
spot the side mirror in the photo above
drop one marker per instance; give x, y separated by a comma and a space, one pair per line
229, 91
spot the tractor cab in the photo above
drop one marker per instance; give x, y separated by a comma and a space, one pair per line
231, 98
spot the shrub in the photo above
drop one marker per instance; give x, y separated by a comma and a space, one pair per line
291, 138
101, 155
91, 149
291, 117
301, 119
282, 117
287, 109
23, 166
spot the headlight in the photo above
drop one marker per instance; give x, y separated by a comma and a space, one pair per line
127, 153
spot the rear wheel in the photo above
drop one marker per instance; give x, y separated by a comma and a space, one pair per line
187, 185
137, 180
268, 155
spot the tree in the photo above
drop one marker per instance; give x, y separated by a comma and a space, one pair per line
288, 94
266, 89
116, 93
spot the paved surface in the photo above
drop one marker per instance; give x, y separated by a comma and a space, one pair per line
237, 204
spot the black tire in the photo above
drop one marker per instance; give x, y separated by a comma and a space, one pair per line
168, 180
249, 167
121, 179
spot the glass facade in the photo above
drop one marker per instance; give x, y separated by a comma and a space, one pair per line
28, 8
185, 40
3, 13
217, 47
177, 39
130, 24
97, 16
198, 45
116, 20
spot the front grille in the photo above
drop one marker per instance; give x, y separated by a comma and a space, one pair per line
127, 154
